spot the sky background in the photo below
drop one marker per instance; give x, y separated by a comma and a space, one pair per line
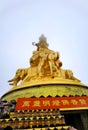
63, 22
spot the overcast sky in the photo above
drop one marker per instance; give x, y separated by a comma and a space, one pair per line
63, 22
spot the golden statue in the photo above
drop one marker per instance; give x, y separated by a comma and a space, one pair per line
44, 63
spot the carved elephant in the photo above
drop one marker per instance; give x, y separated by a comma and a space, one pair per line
68, 74
20, 75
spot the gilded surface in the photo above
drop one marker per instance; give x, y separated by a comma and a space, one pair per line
46, 90
45, 66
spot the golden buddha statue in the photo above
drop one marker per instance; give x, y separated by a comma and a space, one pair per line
44, 64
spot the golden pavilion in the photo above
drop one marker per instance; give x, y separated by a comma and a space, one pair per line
44, 95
